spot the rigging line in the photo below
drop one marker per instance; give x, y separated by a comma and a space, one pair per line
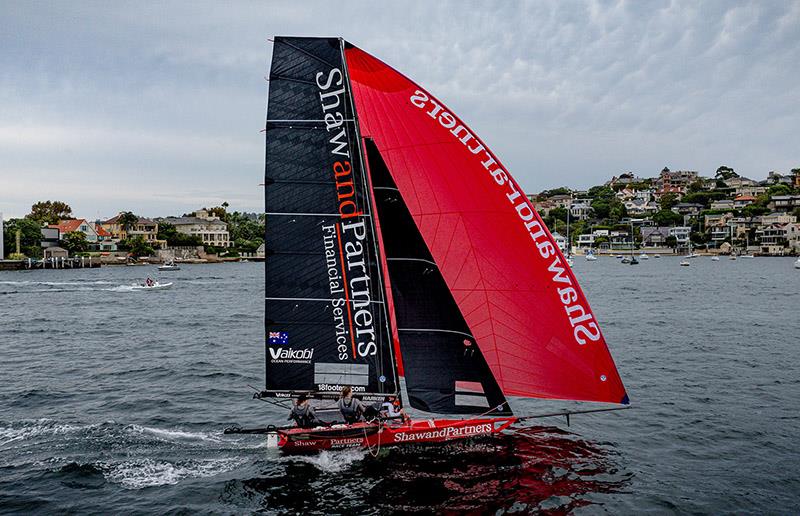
437, 330
411, 260
385, 188
309, 54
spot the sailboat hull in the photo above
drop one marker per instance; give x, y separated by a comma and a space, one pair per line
376, 435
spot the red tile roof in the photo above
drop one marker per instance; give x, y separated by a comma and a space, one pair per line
68, 226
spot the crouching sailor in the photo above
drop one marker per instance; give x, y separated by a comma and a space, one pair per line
303, 414
351, 408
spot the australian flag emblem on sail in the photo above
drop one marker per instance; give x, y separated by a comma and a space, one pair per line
278, 337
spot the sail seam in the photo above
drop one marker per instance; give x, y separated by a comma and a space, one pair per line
437, 330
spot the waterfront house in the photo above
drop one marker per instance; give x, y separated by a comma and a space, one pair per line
143, 227
586, 240
654, 236
74, 225
210, 228
681, 234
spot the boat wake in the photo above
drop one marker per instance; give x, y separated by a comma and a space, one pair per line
138, 474
331, 461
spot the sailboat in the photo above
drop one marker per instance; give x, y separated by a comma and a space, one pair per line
633, 260
568, 256
398, 246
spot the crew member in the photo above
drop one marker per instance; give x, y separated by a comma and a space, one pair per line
391, 409
351, 408
303, 414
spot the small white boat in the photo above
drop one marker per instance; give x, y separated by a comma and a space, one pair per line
733, 257
590, 257
797, 264
747, 256
692, 255
715, 258
155, 286
685, 263
169, 266
644, 256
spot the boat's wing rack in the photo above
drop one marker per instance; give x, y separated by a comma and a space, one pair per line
569, 413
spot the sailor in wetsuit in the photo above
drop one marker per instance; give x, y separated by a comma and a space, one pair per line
303, 414
351, 408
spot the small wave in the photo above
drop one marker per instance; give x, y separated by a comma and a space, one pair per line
121, 288
332, 461
174, 435
138, 474
57, 283
28, 430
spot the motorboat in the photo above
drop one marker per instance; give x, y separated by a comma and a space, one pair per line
590, 257
169, 266
644, 256
153, 286
715, 258
797, 264
685, 263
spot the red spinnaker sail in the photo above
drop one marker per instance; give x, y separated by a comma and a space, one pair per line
510, 281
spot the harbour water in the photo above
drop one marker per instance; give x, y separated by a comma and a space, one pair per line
114, 401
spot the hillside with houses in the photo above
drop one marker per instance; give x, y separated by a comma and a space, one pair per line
680, 210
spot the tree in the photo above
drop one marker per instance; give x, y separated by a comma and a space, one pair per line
779, 189
75, 242
725, 173
556, 191
601, 192
601, 208
671, 241
30, 236
49, 212
667, 218
668, 200
136, 246
174, 238
127, 220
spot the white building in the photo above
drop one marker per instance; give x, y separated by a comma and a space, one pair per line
681, 234
210, 228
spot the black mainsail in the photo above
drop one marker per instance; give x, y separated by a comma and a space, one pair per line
326, 319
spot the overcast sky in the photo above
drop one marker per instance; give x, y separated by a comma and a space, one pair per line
157, 109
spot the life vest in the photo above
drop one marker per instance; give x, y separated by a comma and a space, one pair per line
351, 412
304, 416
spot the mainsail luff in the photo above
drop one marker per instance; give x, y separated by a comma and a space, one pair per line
325, 323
